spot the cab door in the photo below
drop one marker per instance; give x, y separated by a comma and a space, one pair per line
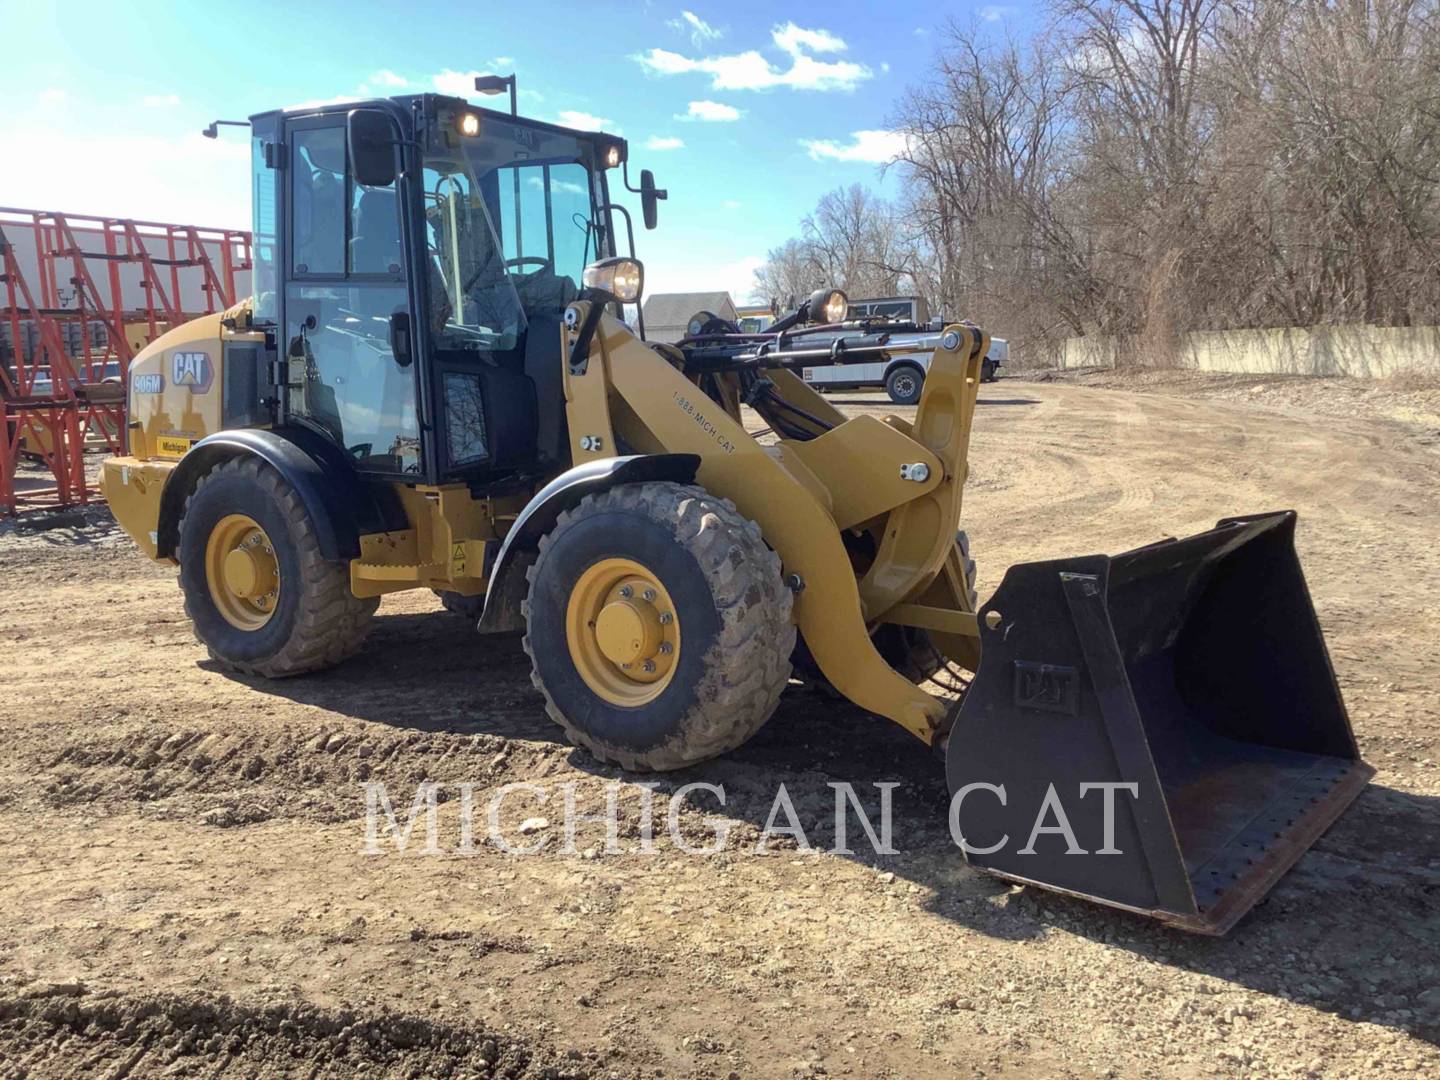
349, 340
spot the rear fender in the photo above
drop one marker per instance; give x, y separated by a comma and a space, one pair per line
508, 584
341, 505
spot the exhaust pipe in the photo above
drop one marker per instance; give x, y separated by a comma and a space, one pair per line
1160, 731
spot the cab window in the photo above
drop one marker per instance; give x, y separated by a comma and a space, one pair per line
346, 305
318, 201
338, 226
547, 219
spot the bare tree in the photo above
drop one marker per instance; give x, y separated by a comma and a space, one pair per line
849, 241
787, 274
1147, 167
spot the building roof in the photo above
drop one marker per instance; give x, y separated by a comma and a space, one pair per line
667, 313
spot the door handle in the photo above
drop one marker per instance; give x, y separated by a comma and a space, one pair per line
400, 338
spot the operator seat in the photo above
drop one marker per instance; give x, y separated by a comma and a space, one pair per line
545, 290
375, 247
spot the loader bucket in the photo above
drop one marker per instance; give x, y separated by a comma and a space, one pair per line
1194, 672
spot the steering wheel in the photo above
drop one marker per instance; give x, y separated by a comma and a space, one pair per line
517, 262
522, 260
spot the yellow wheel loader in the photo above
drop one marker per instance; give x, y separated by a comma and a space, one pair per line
433, 387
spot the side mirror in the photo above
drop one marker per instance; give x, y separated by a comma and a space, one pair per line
370, 135
650, 195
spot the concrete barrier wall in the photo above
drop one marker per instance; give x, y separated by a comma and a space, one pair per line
1364, 351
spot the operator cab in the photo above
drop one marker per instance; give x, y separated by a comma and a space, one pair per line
414, 257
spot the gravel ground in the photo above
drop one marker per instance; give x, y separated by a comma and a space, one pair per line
189, 891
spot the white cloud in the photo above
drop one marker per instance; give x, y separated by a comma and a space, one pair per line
584, 121
569, 187
876, 147
462, 83
731, 204
161, 101
380, 84
994, 13
319, 103
664, 142
53, 95
796, 39
699, 30
457, 83
184, 178
750, 70
702, 274
712, 111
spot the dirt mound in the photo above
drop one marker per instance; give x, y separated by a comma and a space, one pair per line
240, 777
63, 1029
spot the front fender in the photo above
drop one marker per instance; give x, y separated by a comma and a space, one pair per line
507, 586
341, 505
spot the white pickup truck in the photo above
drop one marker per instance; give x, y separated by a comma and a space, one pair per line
903, 376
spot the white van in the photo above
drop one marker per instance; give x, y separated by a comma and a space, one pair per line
904, 376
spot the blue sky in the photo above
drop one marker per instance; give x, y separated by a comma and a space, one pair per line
745, 115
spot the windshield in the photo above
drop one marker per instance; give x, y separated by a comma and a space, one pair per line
510, 225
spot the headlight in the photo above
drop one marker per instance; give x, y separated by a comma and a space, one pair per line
828, 306
698, 322
622, 278
469, 124
614, 155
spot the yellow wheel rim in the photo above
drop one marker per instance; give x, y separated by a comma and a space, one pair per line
623, 632
242, 572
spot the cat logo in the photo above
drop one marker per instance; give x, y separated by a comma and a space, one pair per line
1050, 687
191, 370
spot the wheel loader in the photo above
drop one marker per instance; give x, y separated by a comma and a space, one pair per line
434, 386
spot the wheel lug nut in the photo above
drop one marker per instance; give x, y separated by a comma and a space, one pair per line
649, 594
666, 618
649, 667
666, 648
626, 591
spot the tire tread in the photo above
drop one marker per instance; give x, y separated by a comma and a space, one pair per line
331, 622
750, 660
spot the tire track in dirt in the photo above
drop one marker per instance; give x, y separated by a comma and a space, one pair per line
70, 1029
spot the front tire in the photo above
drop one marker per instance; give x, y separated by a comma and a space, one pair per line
904, 384
658, 626
258, 593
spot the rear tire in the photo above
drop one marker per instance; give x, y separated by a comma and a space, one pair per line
904, 384
682, 553
309, 620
